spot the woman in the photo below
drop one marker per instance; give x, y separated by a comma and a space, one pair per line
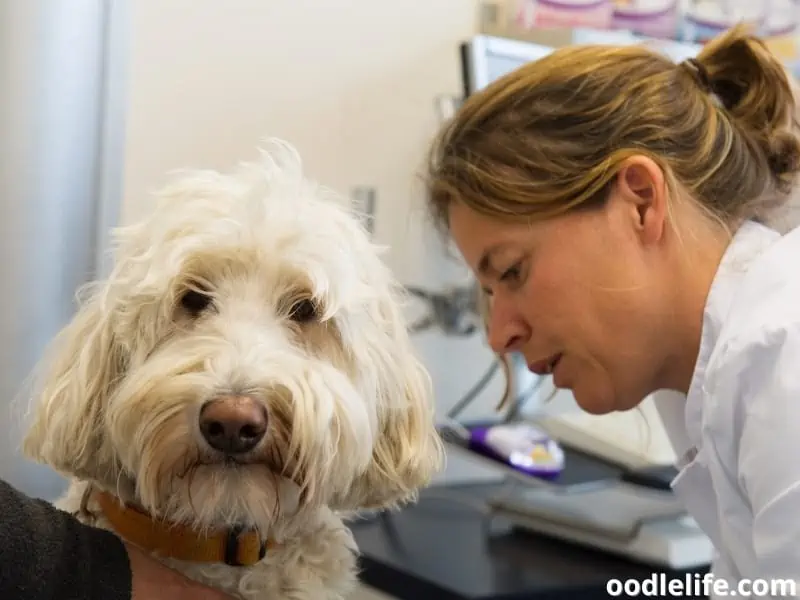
610, 203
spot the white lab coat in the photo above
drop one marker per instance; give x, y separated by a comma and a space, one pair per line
737, 431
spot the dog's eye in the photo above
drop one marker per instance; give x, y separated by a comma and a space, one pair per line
195, 302
303, 311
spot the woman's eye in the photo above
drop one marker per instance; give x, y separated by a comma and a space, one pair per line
511, 274
195, 301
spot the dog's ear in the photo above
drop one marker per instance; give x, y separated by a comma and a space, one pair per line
76, 378
408, 451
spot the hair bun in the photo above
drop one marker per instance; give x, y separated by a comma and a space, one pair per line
755, 89
784, 156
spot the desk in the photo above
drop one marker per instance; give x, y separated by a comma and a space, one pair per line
444, 548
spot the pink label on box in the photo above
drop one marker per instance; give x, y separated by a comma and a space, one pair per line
567, 13
654, 18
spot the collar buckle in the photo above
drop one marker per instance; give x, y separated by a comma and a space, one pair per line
233, 545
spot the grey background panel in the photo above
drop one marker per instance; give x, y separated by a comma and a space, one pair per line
62, 66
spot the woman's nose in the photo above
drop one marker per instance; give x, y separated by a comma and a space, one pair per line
505, 332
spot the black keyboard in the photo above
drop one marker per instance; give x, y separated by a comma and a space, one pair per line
657, 477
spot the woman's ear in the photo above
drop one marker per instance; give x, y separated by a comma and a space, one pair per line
640, 192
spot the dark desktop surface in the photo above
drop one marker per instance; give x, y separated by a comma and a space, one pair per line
446, 548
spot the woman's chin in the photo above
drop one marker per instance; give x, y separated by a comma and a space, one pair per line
595, 397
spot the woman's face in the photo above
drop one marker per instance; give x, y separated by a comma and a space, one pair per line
585, 294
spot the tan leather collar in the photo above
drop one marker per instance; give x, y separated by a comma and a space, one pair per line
233, 547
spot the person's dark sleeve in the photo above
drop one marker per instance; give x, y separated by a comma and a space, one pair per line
46, 554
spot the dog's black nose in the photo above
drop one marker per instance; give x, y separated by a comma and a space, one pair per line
233, 424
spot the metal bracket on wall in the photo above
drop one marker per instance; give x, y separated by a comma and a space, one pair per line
446, 106
454, 311
364, 203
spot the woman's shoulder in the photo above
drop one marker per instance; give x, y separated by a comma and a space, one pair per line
757, 359
763, 316
753, 365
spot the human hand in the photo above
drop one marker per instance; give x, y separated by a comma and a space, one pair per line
154, 581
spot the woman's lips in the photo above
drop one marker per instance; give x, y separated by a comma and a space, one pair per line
545, 366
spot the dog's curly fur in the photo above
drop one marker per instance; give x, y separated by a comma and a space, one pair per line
202, 301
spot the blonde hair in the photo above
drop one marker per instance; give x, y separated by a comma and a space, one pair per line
549, 137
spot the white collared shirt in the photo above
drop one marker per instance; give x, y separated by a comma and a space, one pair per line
738, 428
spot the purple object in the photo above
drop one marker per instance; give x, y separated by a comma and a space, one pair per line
521, 446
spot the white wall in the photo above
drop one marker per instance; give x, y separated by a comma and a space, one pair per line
351, 83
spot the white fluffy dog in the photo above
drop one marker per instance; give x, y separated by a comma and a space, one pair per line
241, 380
